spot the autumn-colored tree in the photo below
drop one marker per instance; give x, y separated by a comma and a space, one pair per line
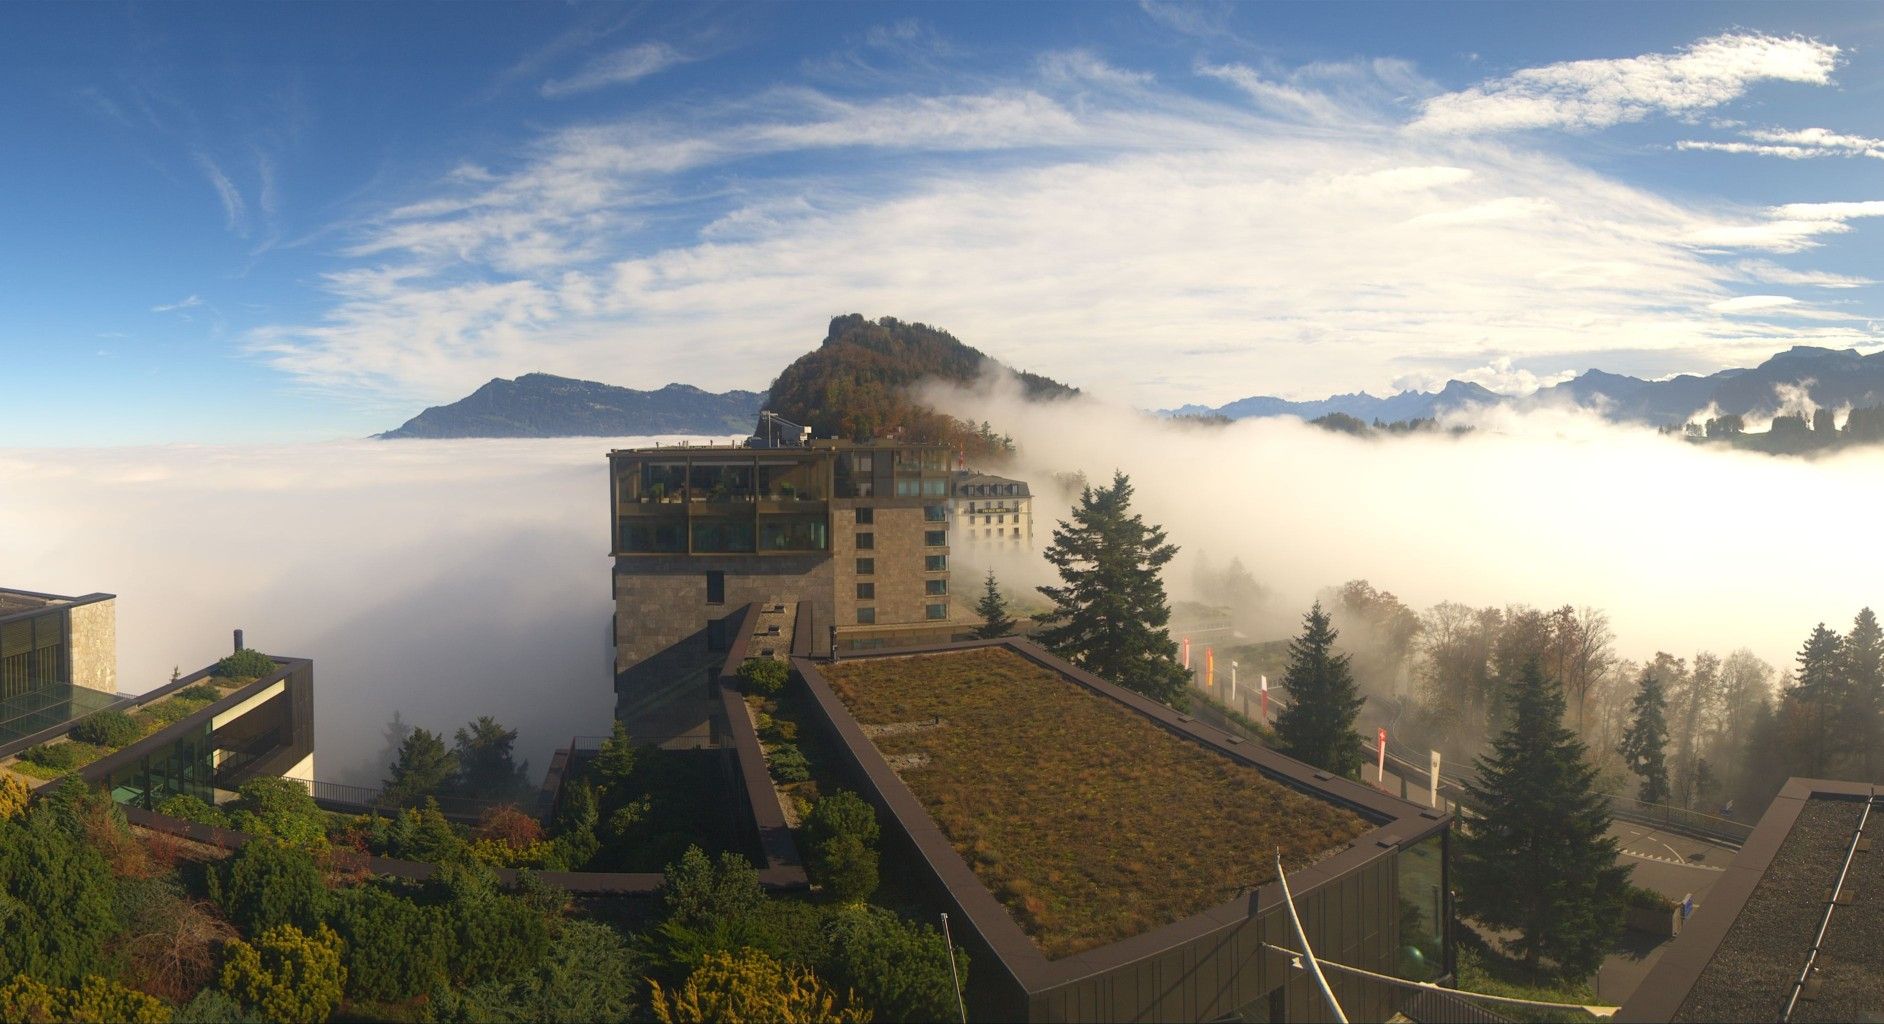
287, 974
751, 986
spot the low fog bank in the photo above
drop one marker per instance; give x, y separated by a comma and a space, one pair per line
1685, 548
440, 579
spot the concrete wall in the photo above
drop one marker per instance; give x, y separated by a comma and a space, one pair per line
94, 645
664, 667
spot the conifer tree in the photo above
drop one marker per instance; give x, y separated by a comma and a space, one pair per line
1318, 724
1820, 693
995, 621
1645, 744
1536, 857
1864, 680
424, 766
1110, 616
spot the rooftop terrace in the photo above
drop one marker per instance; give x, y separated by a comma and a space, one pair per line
1090, 822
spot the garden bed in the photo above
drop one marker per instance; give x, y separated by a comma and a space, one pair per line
1090, 822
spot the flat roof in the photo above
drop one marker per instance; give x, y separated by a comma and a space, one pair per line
22, 602
1090, 822
1743, 952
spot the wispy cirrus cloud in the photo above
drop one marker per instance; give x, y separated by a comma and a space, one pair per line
622, 67
235, 211
1799, 144
1589, 94
189, 302
1091, 221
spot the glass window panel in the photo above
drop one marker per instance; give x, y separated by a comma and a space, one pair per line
936, 611
866, 616
866, 566
717, 536
663, 481
866, 591
935, 487
936, 538
935, 588
794, 533
935, 563
866, 516
793, 480
909, 487
644, 536
935, 513
866, 541
1422, 877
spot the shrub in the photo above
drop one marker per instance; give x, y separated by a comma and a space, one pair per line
425, 835
750, 985
695, 891
107, 728
395, 949
14, 797
287, 975
788, 763
784, 730
213, 1006
247, 663
64, 889
842, 813
765, 676
540, 855
266, 884
1647, 899
201, 691
900, 969
192, 808
846, 868
494, 937
96, 999
173, 711
167, 940
57, 756
589, 974
507, 823
281, 808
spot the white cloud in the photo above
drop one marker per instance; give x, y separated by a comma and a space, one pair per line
235, 211
1799, 144
190, 302
1588, 94
1133, 238
622, 67
1773, 273
1752, 303
1499, 375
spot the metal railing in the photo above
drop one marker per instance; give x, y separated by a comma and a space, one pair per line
371, 800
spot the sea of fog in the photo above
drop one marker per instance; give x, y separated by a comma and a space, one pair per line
449, 579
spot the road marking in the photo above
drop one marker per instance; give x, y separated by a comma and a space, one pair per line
1658, 858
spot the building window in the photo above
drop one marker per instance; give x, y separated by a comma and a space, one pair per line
1016, 531
935, 513
864, 462
935, 563
866, 616
936, 539
935, 487
936, 611
866, 516
935, 588
866, 566
866, 541
908, 487
716, 588
866, 591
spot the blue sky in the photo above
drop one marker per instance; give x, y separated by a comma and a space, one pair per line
302, 221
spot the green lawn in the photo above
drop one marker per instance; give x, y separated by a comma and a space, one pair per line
1090, 822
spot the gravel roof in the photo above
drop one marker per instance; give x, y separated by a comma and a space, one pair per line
1753, 969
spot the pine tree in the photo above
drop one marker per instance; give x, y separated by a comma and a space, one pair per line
1864, 679
1318, 724
486, 767
1820, 694
995, 622
424, 765
1536, 857
1646, 742
1110, 616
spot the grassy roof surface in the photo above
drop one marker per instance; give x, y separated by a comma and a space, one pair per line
1089, 821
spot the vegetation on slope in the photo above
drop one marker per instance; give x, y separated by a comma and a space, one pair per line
857, 384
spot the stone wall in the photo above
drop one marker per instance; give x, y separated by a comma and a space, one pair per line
94, 645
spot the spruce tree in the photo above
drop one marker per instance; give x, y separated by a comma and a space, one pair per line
1864, 680
1644, 745
423, 767
995, 622
1536, 856
486, 768
1820, 693
1318, 724
1110, 616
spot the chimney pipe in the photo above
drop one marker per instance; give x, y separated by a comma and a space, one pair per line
238, 640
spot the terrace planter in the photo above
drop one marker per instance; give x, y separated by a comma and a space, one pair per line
1654, 921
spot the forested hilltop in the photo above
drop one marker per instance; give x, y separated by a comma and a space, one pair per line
858, 383
542, 405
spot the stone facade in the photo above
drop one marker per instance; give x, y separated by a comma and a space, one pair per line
94, 645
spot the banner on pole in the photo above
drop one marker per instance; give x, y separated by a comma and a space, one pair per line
1264, 687
1210, 668
1381, 774
1187, 654
1432, 799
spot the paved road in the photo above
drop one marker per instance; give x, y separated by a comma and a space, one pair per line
1672, 865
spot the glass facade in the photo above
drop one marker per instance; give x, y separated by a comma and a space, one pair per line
1422, 884
184, 767
32, 654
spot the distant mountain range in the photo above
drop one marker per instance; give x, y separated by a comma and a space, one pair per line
541, 405
1831, 378
857, 383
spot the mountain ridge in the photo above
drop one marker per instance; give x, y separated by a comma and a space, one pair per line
545, 405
